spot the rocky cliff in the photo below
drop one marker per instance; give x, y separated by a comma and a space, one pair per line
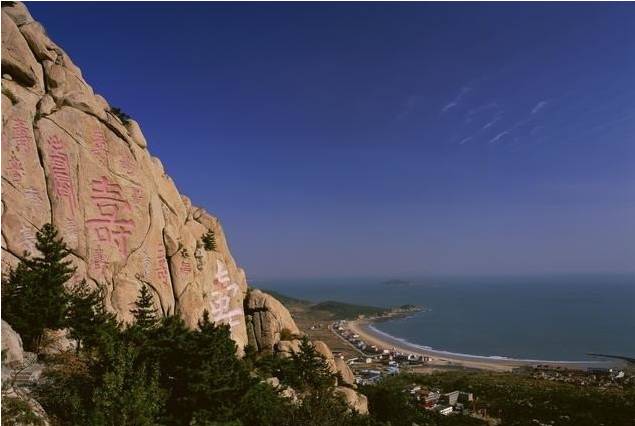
68, 159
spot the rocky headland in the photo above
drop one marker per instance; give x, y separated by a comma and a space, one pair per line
71, 159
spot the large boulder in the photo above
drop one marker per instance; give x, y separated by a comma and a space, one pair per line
267, 321
354, 399
285, 348
18, 60
337, 365
17, 11
323, 349
11, 346
345, 372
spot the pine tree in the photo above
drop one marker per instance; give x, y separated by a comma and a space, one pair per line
33, 294
216, 379
209, 241
145, 314
311, 371
128, 391
88, 320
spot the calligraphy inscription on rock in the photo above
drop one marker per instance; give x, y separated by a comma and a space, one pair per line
223, 291
61, 171
109, 226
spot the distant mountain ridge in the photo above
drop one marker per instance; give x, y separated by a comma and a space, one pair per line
339, 310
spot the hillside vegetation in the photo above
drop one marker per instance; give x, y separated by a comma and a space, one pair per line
512, 398
327, 309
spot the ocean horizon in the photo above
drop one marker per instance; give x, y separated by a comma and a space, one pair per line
560, 317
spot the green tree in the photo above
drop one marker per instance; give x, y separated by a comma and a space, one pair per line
145, 313
113, 387
310, 371
264, 406
33, 294
322, 407
67, 389
88, 320
17, 411
199, 368
216, 378
118, 112
209, 240
128, 392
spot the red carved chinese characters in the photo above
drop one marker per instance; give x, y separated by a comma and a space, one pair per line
186, 266
21, 135
98, 261
99, 147
161, 268
15, 170
108, 226
60, 168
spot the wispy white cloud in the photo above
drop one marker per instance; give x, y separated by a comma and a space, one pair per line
492, 122
464, 140
457, 100
540, 105
499, 136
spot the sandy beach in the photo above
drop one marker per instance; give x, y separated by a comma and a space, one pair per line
372, 336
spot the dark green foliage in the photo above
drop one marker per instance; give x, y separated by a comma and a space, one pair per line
200, 367
304, 371
125, 118
109, 388
33, 294
322, 407
328, 309
145, 314
209, 240
17, 412
88, 321
516, 399
310, 370
66, 393
128, 392
262, 405
388, 402
342, 310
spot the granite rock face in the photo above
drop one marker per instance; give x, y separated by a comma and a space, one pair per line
68, 160
11, 346
267, 319
355, 400
345, 372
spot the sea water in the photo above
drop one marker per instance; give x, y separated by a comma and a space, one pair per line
563, 317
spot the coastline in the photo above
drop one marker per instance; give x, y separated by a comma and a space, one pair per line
439, 358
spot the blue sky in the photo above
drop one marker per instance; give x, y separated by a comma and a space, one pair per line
383, 139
